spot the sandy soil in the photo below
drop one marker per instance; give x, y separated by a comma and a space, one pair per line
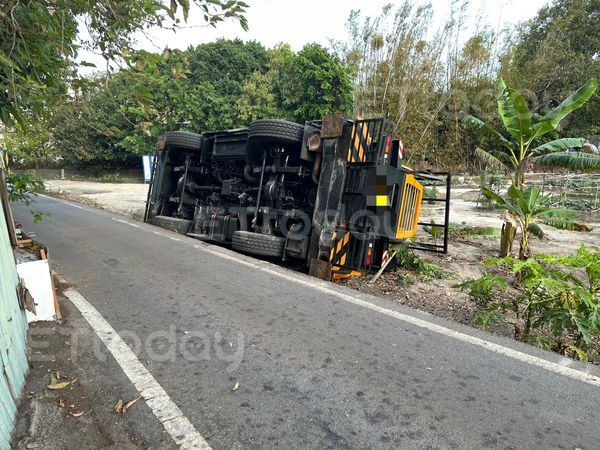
557, 242
124, 198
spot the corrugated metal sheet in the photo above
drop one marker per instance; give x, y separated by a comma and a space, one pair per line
13, 329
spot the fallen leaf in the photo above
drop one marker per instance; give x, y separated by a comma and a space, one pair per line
61, 403
236, 386
119, 406
76, 414
62, 385
31, 445
53, 379
130, 404
57, 375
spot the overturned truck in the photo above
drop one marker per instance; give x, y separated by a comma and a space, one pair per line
332, 193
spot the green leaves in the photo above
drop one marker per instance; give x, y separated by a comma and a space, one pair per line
39, 43
517, 120
527, 199
479, 124
550, 121
529, 206
483, 290
23, 188
583, 162
557, 145
536, 230
501, 202
551, 301
515, 113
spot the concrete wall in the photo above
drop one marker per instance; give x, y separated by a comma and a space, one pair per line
13, 332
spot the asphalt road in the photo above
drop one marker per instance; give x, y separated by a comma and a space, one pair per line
314, 371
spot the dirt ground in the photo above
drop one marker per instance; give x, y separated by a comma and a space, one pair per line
437, 296
464, 260
124, 198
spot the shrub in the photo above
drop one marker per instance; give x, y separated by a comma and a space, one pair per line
430, 193
110, 178
409, 260
556, 300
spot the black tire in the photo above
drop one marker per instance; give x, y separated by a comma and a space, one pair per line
276, 132
183, 139
180, 226
258, 244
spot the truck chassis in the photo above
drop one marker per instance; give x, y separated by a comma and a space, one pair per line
332, 193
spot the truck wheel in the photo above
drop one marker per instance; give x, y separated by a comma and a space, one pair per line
258, 244
183, 139
276, 132
179, 226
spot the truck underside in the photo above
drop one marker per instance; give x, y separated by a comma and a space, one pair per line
332, 193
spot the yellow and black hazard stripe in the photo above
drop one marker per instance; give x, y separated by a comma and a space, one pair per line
361, 140
340, 246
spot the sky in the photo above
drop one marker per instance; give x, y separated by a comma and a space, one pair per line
298, 22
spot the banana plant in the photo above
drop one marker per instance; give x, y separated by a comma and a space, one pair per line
514, 149
528, 208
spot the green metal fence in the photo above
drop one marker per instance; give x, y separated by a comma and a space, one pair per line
13, 329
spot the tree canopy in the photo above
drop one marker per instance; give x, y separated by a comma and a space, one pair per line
217, 85
394, 65
553, 53
40, 40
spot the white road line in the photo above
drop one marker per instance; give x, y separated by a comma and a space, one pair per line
166, 411
68, 203
126, 223
562, 369
421, 323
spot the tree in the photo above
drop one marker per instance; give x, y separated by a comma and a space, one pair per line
220, 70
423, 79
528, 207
317, 84
39, 41
32, 147
90, 132
516, 150
257, 99
553, 52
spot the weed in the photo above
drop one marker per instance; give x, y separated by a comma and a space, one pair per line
433, 230
430, 194
409, 260
110, 178
462, 230
483, 290
556, 304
